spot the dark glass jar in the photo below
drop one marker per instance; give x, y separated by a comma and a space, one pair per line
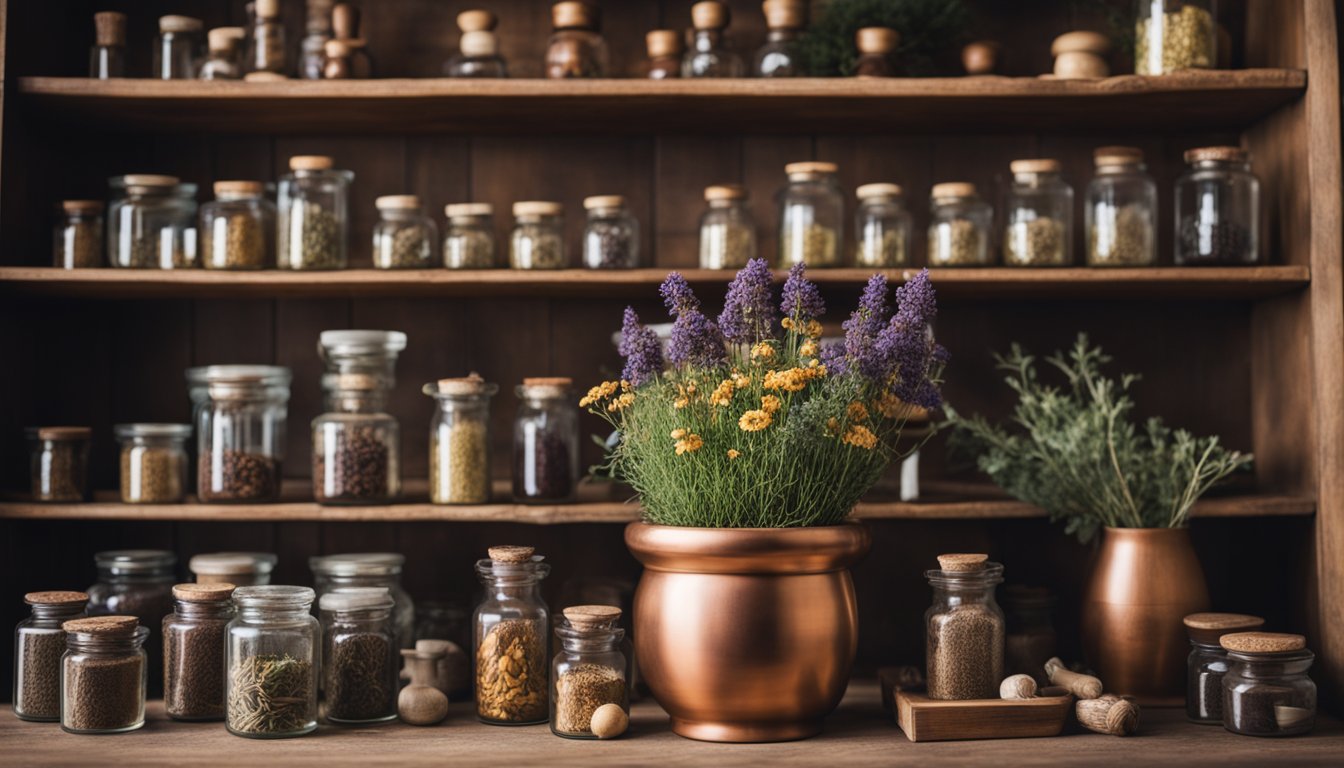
1207, 663
589, 671
39, 642
136, 582
708, 55
193, 651
178, 47
777, 58
1266, 691
103, 675
59, 463
369, 569
512, 625
545, 442
1217, 209
964, 646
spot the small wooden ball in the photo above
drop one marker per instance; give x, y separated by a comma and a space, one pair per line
609, 721
981, 57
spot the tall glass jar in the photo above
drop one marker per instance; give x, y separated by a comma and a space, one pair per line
1266, 691
965, 641
611, 236
369, 569
512, 625
77, 239
193, 651
665, 49
313, 200
589, 671
708, 55
356, 443
151, 222
576, 47
266, 39
224, 61
478, 50
241, 414
317, 31
727, 229
107, 57
538, 237
545, 442
404, 237
103, 675
876, 46
1171, 35
1031, 639
1217, 209
271, 661
58, 465
1207, 663
959, 227
238, 227
153, 462
242, 569
470, 240
360, 656
178, 47
882, 227
1121, 210
811, 216
459, 440
784, 20
1038, 225
39, 642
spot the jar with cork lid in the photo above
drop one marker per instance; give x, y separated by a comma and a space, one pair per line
784, 20
237, 229
224, 60
589, 671
39, 643
877, 46
811, 216
103, 674
576, 47
1266, 691
404, 237
77, 238
1038, 225
727, 229
242, 569
538, 237
469, 242
709, 55
178, 47
151, 222
959, 227
611, 235
136, 582
313, 200
965, 629
545, 442
1081, 55
1121, 210
271, 661
511, 637
1217, 209
1207, 663
1173, 35
241, 415
478, 51
317, 31
882, 227
193, 651
360, 655
58, 462
107, 57
459, 440
153, 462
665, 48
266, 39
356, 443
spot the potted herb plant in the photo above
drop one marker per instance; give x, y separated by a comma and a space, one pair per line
748, 445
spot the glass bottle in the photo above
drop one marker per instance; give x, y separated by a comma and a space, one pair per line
369, 569
241, 414
179, 45
959, 227
1266, 691
1171, 35
470, 240
511, 622
193, 651
360, 656
876, 46
459, 440
784, 20
317, 29
611, 236
151, 222
1031, 639
1207, 663
1121, 211
107, 57
538, 237
356, 444
237, 228
665, 50
708, 56
241, 569
39, 642
345, 26
576, 47
103, 675
136, 582
1038, 227
58, 463
313, 200
224, 61
1217, 209
589, 671
727, 229
404, 237
271, 661
545, 442
811, 216
77, 238
882, 227
153, 462
965, 640
266, 39
478, 50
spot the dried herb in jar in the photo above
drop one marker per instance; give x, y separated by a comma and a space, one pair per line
151, 475
459, 465
537, 250
270, 694
241, 477
511, 673
1125, 240
886, 251
356, 671
580, 690
1187, 37
316, 245
956, 243
726, 246
1035, 243
469, 249
244, 244
816, 247
407, 247
965, 654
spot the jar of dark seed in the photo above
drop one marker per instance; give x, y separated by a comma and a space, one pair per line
359, 656
241, 413
238, 227
881, 227
1217, 209
153, 462
1121, 210
727, 229
1038, 225
58, 462
576, 48
459, 440
611, 236
545, 442
137, 582
151, 222
77, 239
538, 237
313, 201
243, 569
1173, 35
404, 237
811, 216
39, 643
965, 629
356, 443
271, 659
1207, 664
1266, 691
369, 569
959, 227
470, 240
512, 628
103, 675
589, 671
193, 651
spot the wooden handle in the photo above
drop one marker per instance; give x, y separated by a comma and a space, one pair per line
1109, 714
1082, 686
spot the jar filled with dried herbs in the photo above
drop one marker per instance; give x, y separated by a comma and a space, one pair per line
77, 239
153, 462
1038, 225
360, 656
1266, 691
470, 240
877, 48
459, 440
665, 48
103, 675
369, 569
727, 229
510, 639
39, 643
545, 442
811, 216
1121, 210
58, 463
313, 201
538, 238
404, 237
959, 227
238, 227
193, 651
965, 629
242, 569
151, 222
589, 671
271, 660
1217, 209
224, 61
478, 50
882, 227
266, 39
1173, 35
1207, 664
576, 47
177, 48
709, 55
611, 236
241, 416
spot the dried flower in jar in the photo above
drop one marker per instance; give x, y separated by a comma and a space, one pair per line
1035, 243
1188, 39
511, 673
816, 247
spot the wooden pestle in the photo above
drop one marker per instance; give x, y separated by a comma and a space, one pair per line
1108, 714
1082, 686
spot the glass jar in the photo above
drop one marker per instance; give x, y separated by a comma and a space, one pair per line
266, 39
708, 55
1207, 663
1038, 228
224, 60
404, 237
510, 638
576, 47
538, 238
356, 444
107, 57
611, 237
811, 216
360, 656
876, 46
665, 49
470, 240
58, 463
153, 462
1266, 691
241, 569
478, 50
317, 29
271, 660
179, 45
1121, 210
103, 674
1031, 639
1217, 209
545, 442
964, 645
959, 227
882, 227
238, 228
727, 229
151, 222
136, 582
459, 440
313, 221
77, 239
589, 671
369, 569
1171, 35
193, 651
241, 414
784, 20
39, 642
362, 351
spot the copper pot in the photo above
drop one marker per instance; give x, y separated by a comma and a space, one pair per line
1146, 580
746, 635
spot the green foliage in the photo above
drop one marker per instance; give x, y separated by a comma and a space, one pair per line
927, 28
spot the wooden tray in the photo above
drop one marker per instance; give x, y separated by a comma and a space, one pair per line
925, 719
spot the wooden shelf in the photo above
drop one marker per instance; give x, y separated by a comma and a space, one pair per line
1224, 100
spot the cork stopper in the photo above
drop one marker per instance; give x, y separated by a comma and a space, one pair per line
663, 42
63, 433
1224, 154
102, 625
1081, 42
951, 189
264, 77
538, 208
866, 191
570, 15
267, 9
962, 563
709, 14
397, 202
238, 188
311, 163
810, 168
1262, 642
1035, 165
476, 20
1110, 156
471, 384
82, 206
1208, 628
356, 382
725, 192
337, 49
56, 597
548, 381
150, 180
110, 28
457, 210
345, 21
592, 616
203, 593
879, 40
510, 554
603, 201
783, 14
478, 44
177, 24
224, 38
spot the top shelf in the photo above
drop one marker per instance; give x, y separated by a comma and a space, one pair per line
1196, 100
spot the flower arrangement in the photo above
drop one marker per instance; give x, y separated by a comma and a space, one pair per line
749, 422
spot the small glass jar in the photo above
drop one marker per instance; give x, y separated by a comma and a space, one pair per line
404, 237
136, 582
512, 628
727, 229
1038, 227
784, 19
356, 444
317, 31
77, 239
58, 464
193, 651
708, 55
178, 47
811, 216
459, 440
1266, 691
369, 569
224, 60
241, 569
266, 39
545, 442
360, 656
665, 49
882, 228
965, 640
538, 237
313, 201
241, 414
589, 671
151, 222
153, 462
238, 228
1217, 209
39, 643
1121, 210
611, 237
107, 57
1173, 35
103, 675
576, 47
478, 50
1031, 639
470, 240
271, 660
876, 46
959, 227
1207, 663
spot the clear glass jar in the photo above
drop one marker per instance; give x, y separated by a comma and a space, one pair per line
369, 569
478, 50
727, 229
103, 675
266, 39
77, 239
576, 47
241, 414
665, 50
317, 29
39, 643
784, 19
241, 569
193, 651
151, 222
153, 462
545, 442
360, 656
362, 351
238, 227
876, 46
470, 240
459, 440
271, 660
512, 628
1171, 35
959, 227
538, 237
313, 200
356, 444
58, 462
1217, 209
708, 55
107, 57
1268, 693
611, 236
811, 216
965, 640
1031, 639
590, 670
404, 237
882, 227
1038, 225
179, 45
1121, 210
224, 61
136, 582
1207, 663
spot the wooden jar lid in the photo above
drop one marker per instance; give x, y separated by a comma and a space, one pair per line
62, 433
1103, 156
110, 28
311, 163
397, 202
267, 9
511, 554
592, 616
1262, 642
224, 38
880, 189
709, 14
548, 381
538, 208
877, 39
265, 77
1209, 627
82, 206
663, 42
1081, 42
202, 593
949, 189
174, 23
102, 625
1035, 165
56, 597
962, 563
573, 14
1231, 154
471, 384
603, 201
476, 21
783, 14
150, 180
810, 167
454, 210
238, 188
725, 192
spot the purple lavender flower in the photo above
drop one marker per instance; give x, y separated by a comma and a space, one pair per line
642, 350
696, 341
863, 326
802, 300
748, 314
834, 358
677, 294
904, 352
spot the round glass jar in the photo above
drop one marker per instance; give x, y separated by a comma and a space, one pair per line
356, 443
1121, 210
177, 48
959, 227
478, 49
611, 235
242, 569
665, 48
545, 442
238, 227
58, 462
77, 238
369, 569
459, 440
1172, 35
470, 240
360, 656
136, 582
153, 462
313, 203
811, 216
882, 227
224, 60
511, 629
727, 229
589, 671
576, 47
1207, 663
965, 640
1217, 209
151, 222
103, 675
404, 237
271, 660
1038, 226
39, 643
241, 415
709, 55
193, 651
1266, 691
538, 237
784, 20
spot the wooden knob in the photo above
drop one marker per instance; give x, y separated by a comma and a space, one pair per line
709, 14
663, 42
981, 57
878, 40
476, 21
345, 21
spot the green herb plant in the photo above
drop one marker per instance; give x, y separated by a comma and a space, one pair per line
927, 29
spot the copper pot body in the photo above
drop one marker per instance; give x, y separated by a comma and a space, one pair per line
746, 635
1146, 580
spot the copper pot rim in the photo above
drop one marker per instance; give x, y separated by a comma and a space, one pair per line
785, 551
1148, 532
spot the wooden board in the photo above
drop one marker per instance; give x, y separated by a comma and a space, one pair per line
925, 719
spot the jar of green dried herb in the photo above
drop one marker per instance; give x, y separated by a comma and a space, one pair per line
881, 227
238, 227
193, 651
470, 240
359, 656
59, 462
1038, 225
103, 675
151, 222
811, 216
459, 440
271, 660
153, 462
404, 237
77, 239
241, 414
959, 227
1173, 35
1121, 210
39, 643
727, 229
538, 238
313, 202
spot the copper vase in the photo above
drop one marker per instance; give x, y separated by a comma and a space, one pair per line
746, 635
1146, 580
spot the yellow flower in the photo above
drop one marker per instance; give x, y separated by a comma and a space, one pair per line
733, 453
787, 323
689, 443
808, 348
722, 394
893, 407
740, 381
622, 402
754, 421
600, 392
832, 426
680, 402
763, 351
860, 436
770, 403
678, 433
856, 412
813, 329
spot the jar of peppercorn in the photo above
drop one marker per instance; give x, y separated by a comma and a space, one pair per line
811, 216
1217, 209
1207, 663
545, 442
241, 414
611, 236
1266, 691
356, 443
404, 237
